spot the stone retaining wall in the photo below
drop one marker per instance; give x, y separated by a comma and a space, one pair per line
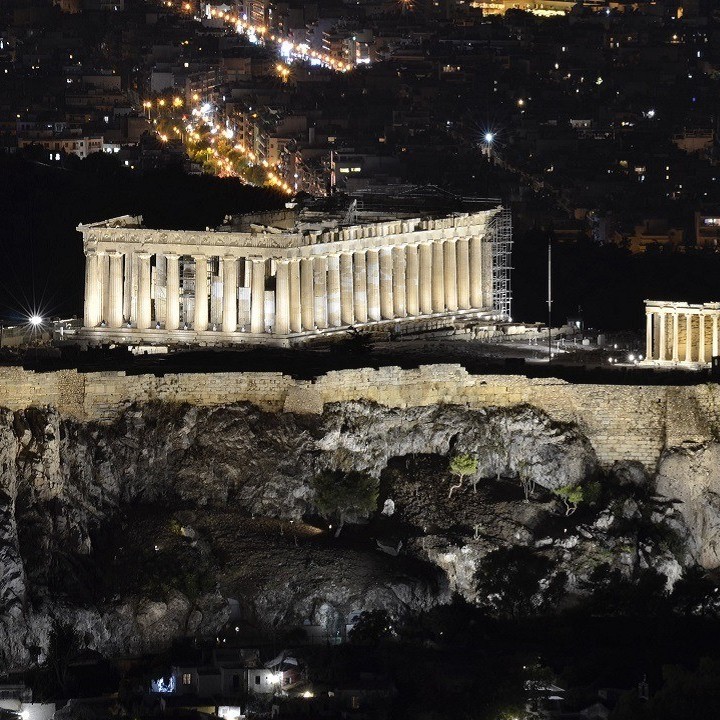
623, 422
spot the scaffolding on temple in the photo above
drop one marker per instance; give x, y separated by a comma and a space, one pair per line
501, 228
429, 199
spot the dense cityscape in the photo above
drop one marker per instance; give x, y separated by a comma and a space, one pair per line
358, 359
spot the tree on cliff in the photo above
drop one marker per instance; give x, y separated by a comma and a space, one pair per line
517, 582
571, 495
462, 466
338, 493
63, 646
372, 627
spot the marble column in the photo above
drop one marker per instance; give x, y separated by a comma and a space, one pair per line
282, 298
688, 337
476, 274
715, 348
463, 274
450, 262
130, 286
257, 296
158, 279
360, 297
386, 283
438, 277
92, 290
172, 309
144, 311
701, 337
200, 321
333, 291
307, 294
347, 309
487, 274
648, 335
412, 301
135, 265
104, 269
115, 291
373, 284
676, 337
426, 278
399, 284
662, 354
230, 284
320, 285
294, 289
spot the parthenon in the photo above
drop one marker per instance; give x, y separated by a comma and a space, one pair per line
679, 333
286, 275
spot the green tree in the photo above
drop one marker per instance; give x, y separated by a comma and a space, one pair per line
571, 495
684, 694
462, 466
517, 582
613, 593
372, 627
694, 593
338, 493
64, 644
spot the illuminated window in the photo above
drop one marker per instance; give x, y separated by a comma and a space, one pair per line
187, 679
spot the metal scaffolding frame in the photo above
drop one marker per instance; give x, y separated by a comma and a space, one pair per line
430, 199
501, 230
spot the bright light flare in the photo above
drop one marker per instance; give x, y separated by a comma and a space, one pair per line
35, 320
489, 137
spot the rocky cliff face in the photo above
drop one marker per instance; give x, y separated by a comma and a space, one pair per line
141, 531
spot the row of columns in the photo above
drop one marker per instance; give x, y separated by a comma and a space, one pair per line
311, 293
663, 330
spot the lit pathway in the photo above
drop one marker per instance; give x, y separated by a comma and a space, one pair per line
202, 115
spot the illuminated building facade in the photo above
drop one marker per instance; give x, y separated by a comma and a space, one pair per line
681, 334
285, 276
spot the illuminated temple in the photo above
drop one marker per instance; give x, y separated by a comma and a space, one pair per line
681, 334
283, 276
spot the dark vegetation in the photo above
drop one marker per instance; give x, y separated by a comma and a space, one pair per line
462, 661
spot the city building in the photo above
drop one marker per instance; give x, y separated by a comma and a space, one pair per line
80, 146
289, 275
707, 229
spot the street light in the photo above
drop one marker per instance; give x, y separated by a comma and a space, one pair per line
35, 320
489, 137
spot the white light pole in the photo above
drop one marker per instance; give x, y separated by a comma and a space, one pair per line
549, 300
489, 138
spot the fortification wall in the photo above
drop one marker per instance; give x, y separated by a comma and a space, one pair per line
623, 422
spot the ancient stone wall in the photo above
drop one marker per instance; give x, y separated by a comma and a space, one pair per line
623, 422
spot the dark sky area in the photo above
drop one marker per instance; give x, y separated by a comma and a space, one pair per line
41, 258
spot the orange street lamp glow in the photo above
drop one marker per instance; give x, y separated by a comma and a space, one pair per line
177, 102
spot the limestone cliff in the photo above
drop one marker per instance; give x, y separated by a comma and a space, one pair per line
142, 530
